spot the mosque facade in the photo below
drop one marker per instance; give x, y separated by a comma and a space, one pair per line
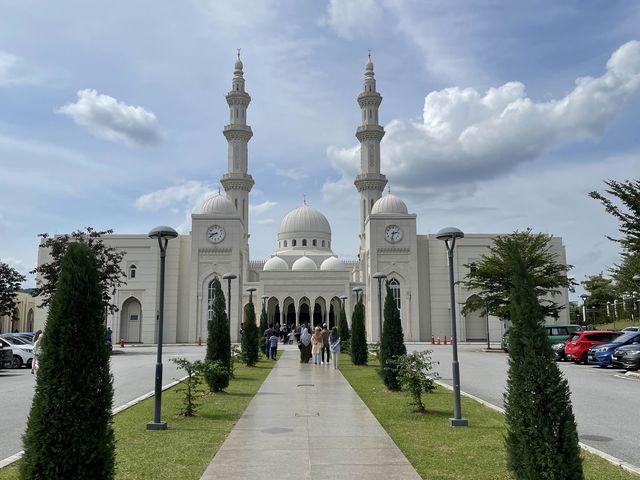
303, 281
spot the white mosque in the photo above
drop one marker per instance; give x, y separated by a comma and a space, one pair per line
303, 281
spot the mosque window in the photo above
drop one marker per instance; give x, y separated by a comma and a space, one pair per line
323, 243
304, 242
285, 244
315, 243
211, 295
132, 271
394, 285
293, 243
472, 268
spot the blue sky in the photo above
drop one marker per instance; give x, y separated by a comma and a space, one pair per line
499, 115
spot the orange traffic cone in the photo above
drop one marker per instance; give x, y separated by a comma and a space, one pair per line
200, 341
122, 343
438, 340
445, 339
432, 340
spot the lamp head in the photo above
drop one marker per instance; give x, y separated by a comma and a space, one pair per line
163, 232
379, 275
264, 297
251, 289
449, 233
343, 297
229, 276
584, 297
356, 289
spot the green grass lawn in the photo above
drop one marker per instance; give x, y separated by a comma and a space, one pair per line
438, 451
620, 324
186, 448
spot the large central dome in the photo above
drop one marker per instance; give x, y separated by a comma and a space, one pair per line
304, 228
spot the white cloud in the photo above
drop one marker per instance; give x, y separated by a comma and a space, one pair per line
296, 174
261, 208
15, 71
353, 18
192, 191
266, 221
466, 136
110, 119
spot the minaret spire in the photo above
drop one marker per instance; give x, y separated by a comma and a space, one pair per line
237, 182
370, 183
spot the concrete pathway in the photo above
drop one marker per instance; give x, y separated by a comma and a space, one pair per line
306, 422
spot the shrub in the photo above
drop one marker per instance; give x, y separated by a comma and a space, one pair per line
343, 328
250, 337
219, 337
191, 383
415, 373
358, 336
541, 440
69, 432
391, 342
217, 376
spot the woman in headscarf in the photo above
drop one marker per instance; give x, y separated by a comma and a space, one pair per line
37, 338
305, 345
316, 349
334, 346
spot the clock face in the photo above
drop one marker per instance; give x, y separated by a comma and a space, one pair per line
215, 234
393, 233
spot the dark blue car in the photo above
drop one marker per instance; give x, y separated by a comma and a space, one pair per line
601, 354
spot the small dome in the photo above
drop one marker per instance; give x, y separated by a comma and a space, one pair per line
333, 263
389, 204
305, 220
275, 264
218, 204
304, 263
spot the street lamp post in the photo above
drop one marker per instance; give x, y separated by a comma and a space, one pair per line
357, 291
228, 277
449, 235
380, 276
163, 234
486, 312
584, 297
251, 290
264, 300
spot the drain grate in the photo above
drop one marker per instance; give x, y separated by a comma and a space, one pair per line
306, 385
307, 414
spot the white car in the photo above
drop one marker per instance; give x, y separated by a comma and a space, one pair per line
22, 352
631, 329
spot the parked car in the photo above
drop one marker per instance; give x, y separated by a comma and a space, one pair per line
22, 354
18, 338
627, 357
6, 357
601, 354
632, 328
555, 334
576, 348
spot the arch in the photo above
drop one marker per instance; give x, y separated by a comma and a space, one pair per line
289, 310
304, 311
304, 242
210, 299
285, 244
293, 243
335, 306
131, 320
475, 323
322, 243
319, 311
394, 285
315, 242
132, 271
30, 316
273, 311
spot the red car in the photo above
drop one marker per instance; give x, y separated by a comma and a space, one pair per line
576, 347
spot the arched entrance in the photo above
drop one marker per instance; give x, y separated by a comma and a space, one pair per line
291, 314
317, 315
131, 320
305, 316
475, 323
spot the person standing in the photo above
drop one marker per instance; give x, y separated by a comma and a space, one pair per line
273, 343
334, 345
305, 345
316, 346
37, 338
267, 335
325, 344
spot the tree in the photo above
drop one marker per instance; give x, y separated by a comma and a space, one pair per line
492, 278
264, 321
189, 384
601, 291
391, 342
108, 260
69, 432
10, 281
219, 337
625, 207
359, 352
541, 440
415, 373
343, 328
250, 337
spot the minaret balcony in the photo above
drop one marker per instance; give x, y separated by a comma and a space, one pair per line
237, 132
235, 98
369, 132
370, 181
369, 99
237, 181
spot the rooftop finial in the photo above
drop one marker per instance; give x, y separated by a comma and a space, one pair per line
369, 54
239, 53
304, 199
389, 190
219, 192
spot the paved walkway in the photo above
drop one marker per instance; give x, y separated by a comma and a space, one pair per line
306, 422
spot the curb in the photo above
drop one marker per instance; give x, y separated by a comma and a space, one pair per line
609, 458
14, 458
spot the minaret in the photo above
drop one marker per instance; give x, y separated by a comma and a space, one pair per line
237, 182
370, 183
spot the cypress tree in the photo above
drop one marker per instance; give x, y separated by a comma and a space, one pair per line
358, 336
343, 328
541, 440
69, 432
264, 322
250, 337
219, 338
391, 343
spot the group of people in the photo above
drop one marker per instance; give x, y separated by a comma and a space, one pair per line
322, 345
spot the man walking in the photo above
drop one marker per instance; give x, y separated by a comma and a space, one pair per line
325, 344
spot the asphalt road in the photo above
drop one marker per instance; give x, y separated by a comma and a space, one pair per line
606, 406
133, 371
